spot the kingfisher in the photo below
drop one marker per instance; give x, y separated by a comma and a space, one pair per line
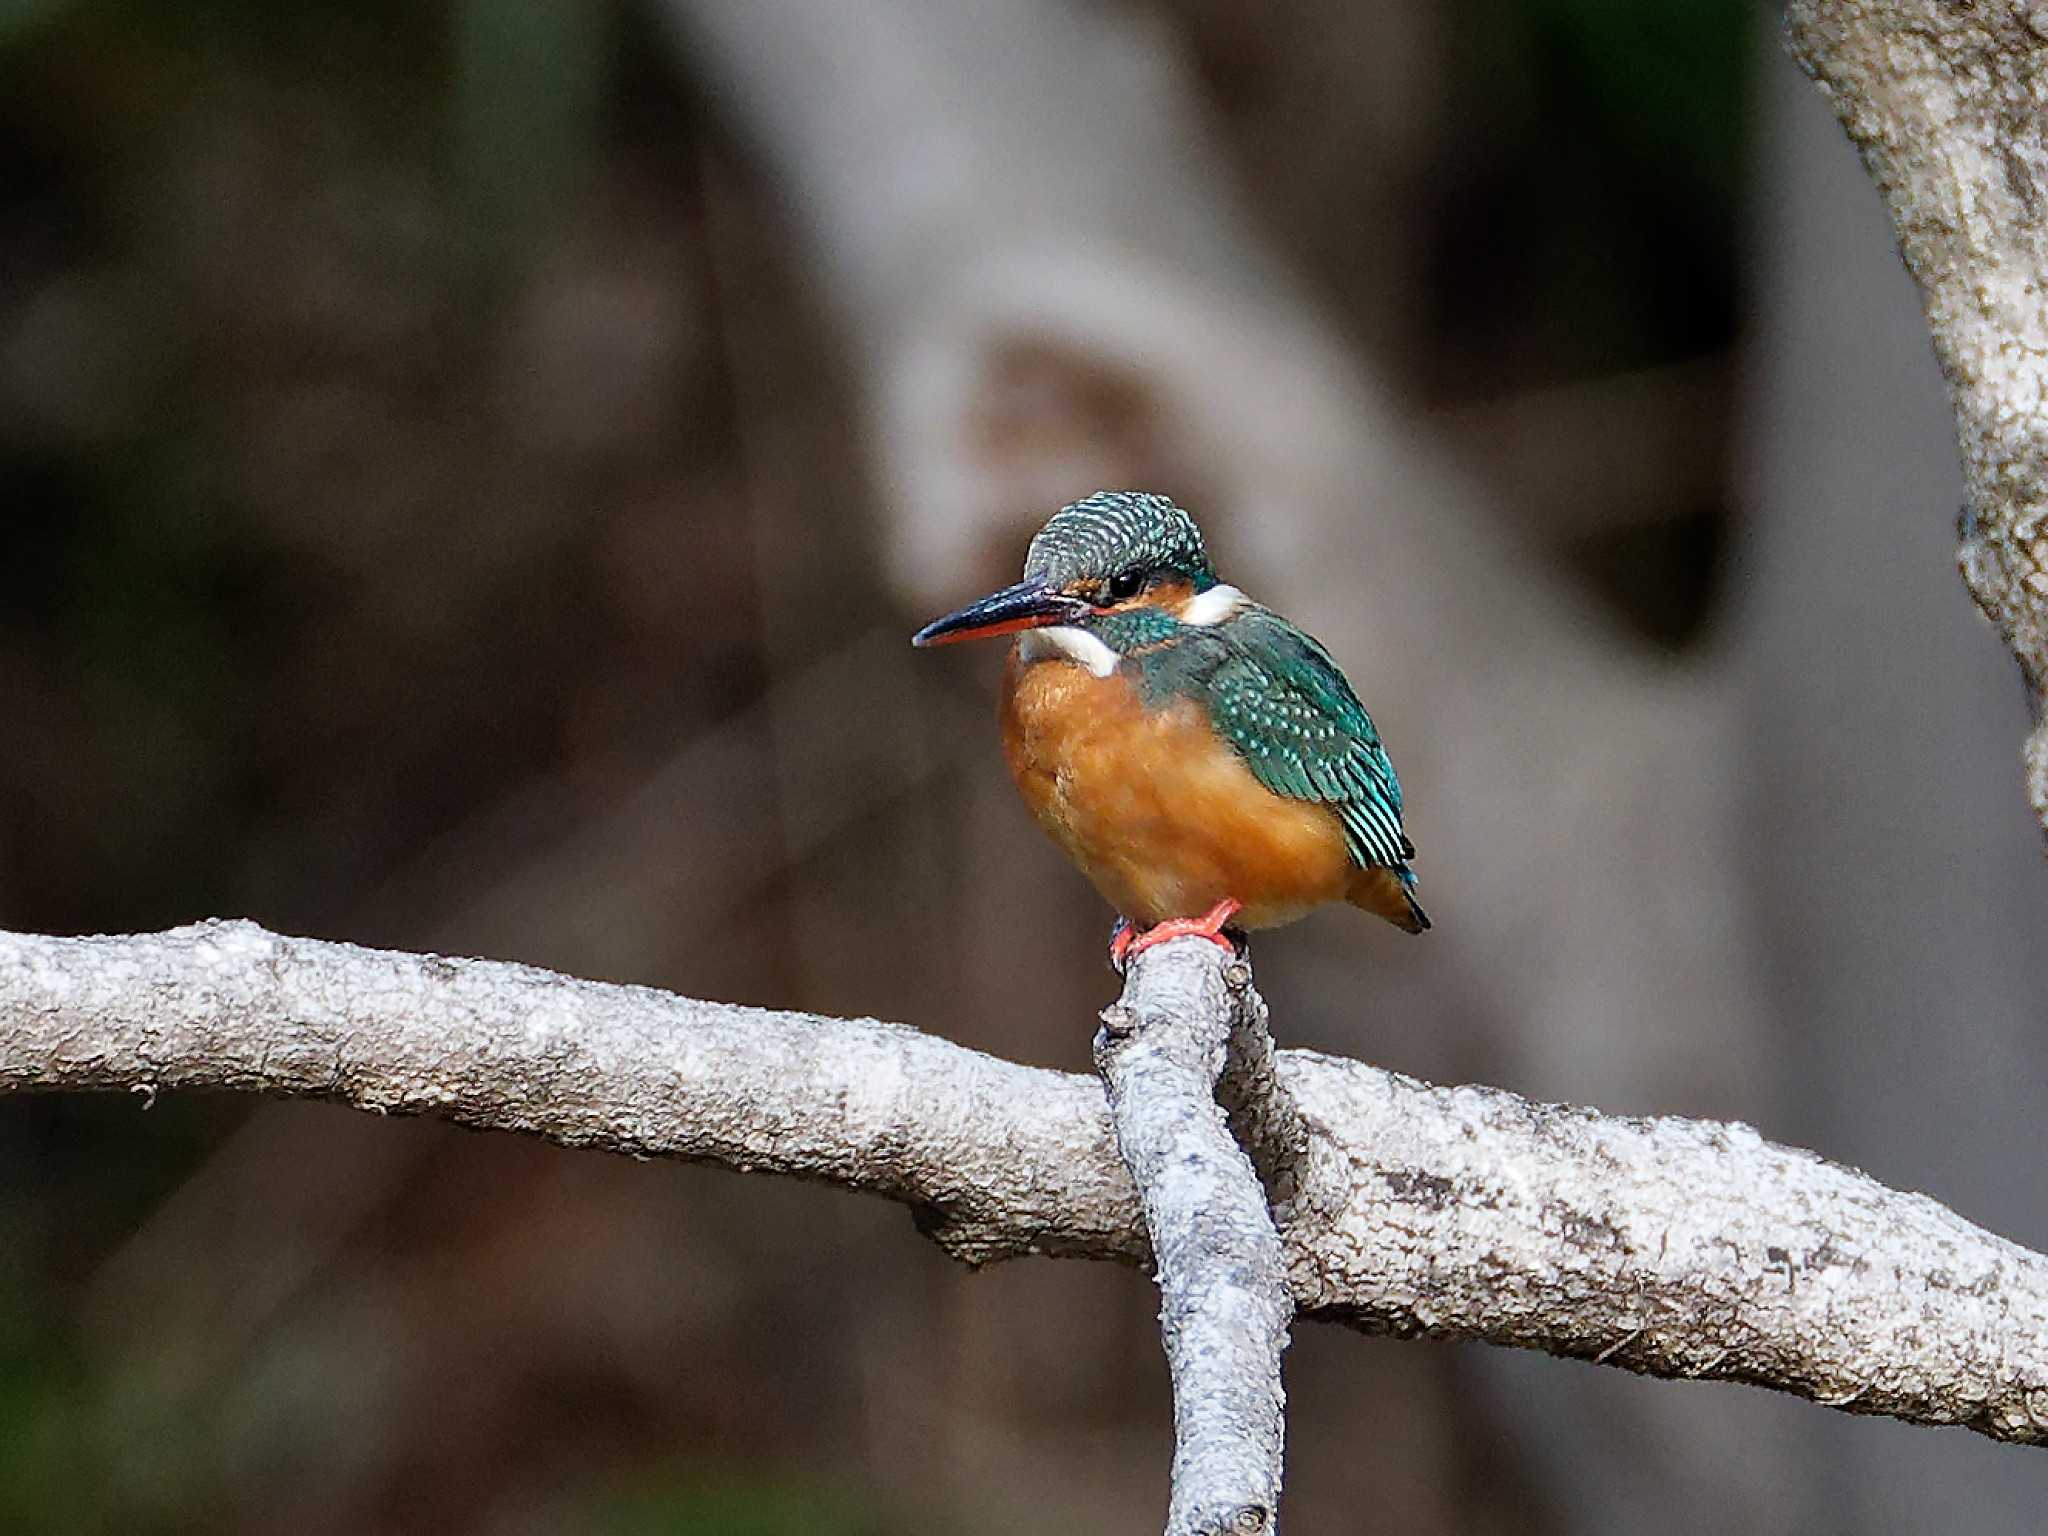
1203, 761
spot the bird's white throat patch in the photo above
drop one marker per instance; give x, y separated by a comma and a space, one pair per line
1064, 642
1220, 602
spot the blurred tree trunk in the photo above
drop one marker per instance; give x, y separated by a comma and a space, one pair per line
1048, 285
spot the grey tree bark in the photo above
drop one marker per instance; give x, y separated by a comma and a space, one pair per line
1677, 1248
1224, 1301
1946, 104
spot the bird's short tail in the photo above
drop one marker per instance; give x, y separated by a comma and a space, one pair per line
1388, 893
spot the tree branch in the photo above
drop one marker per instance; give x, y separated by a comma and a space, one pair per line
1670, 1247
1224, 1302
1944, 101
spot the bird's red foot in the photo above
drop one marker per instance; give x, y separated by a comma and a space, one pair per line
1127, 941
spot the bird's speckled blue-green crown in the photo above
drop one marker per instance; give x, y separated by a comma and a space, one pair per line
1114, 531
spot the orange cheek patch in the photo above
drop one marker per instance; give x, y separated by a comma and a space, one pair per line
1171, 595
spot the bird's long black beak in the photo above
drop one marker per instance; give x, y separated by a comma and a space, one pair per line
1027, 605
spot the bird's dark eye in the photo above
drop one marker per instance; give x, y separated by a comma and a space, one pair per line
1125, 584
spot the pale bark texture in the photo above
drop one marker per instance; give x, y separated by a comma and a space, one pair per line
1948, 105
1670, 1247
1224, 1302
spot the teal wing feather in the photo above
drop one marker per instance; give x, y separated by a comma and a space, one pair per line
1281, 700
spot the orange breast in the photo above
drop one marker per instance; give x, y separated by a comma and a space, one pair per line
1157, 809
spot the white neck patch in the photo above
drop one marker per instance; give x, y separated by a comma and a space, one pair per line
1220, 602
1062, 642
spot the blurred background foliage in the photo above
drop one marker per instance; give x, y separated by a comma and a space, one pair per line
381, 419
